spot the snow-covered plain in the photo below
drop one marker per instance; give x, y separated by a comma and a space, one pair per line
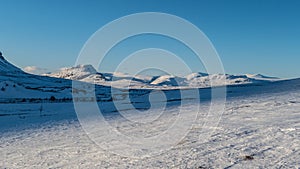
259, 128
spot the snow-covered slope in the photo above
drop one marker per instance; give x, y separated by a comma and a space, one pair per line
6, 67
261, 77
168, 80
16, 84
195, 75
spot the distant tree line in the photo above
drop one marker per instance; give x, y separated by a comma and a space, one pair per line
51, 99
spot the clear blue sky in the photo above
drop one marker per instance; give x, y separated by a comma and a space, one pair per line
251, 36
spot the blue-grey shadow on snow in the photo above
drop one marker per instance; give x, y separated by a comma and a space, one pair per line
139, 98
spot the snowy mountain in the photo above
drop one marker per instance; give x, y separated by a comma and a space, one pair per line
75, 73
261, 77
219, 79
87, 73
15, 83
168, 80
195, 75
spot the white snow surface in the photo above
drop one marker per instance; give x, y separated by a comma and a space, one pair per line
260, 127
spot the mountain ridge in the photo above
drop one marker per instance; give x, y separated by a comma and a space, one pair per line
87, 73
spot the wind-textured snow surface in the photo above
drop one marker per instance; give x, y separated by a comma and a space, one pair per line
260, 128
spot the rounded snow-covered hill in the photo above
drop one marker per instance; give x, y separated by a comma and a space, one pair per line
168, 80
15, 83
86, 73
75, 73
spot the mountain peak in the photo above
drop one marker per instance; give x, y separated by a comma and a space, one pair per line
196, 75
260, 76
75, 73
85, 69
